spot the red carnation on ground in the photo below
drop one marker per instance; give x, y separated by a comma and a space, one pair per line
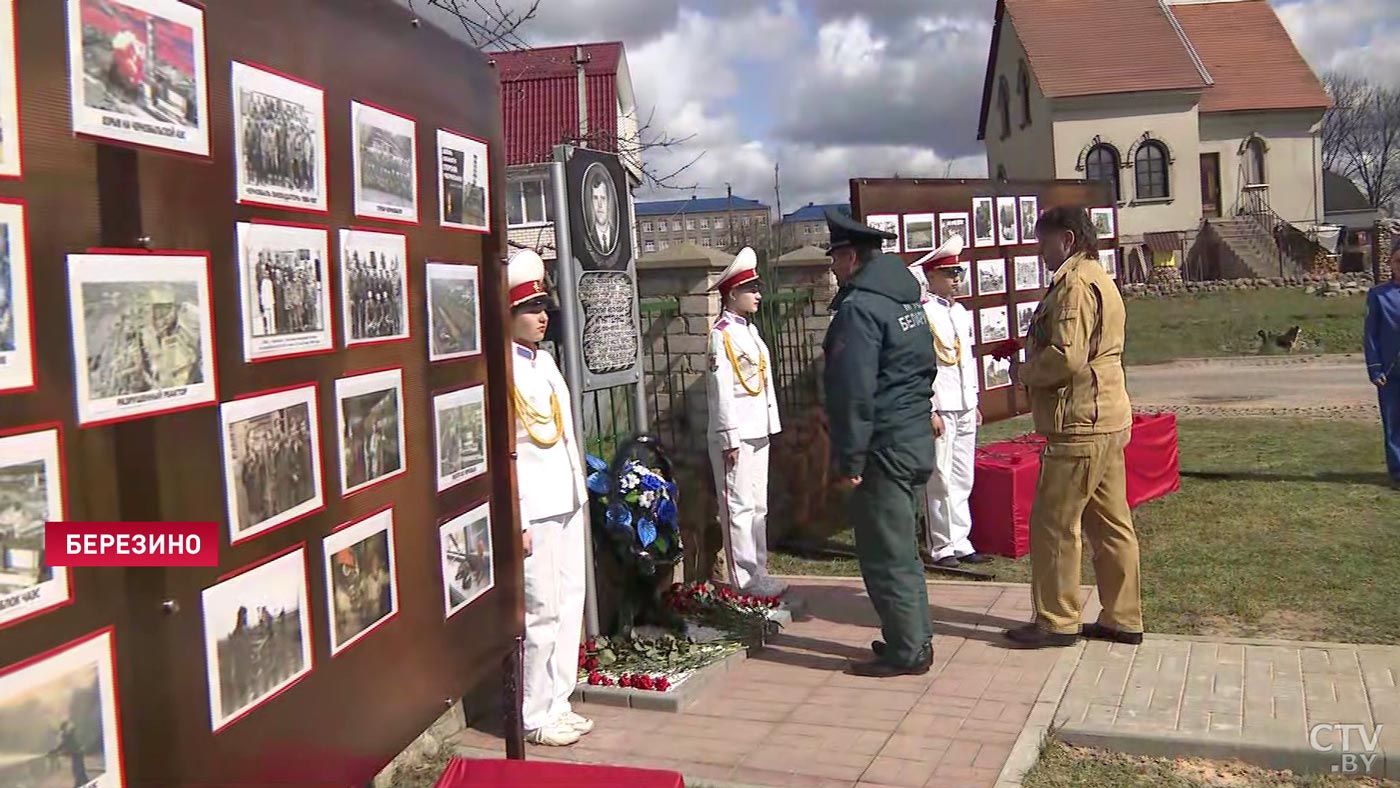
662, 684
591, 663
625, 680
595, 678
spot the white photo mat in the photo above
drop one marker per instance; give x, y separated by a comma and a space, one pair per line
251, 84
471, 398
240, 411
16, 314
452, 538
1008, 222
917, 227
358, 386
1027, 268
20, 453
441, 279
369, 125
950, 224
267, 342
984, 222
993, 325
888, 222
1029, 210
11, 155
996, 373
991, 277
1103, 222
362, 242
463, 163
347, 537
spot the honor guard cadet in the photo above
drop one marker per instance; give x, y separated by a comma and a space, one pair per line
743, 416
956, 416
552, 493
879, 375
1382, 343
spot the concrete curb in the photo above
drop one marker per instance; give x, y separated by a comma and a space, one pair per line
1267, 756
1319, 644
674, 701
1026, 751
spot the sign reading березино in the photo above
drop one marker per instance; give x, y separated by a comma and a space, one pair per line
1339, 737
71, 544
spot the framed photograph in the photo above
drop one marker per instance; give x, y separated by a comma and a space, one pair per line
385, 147
1030, 214
984, 231
136, 73
279, 127
1108, 258
32, 493
964, 286
951, 224
143, 336
1103, 222
16, 295
463, 182
919, 232
284, 288
1008, 222
11, 155
59, 714
468, 565
362, 578
459, 421
996, 373
373, 287
454, 311
991, 277
888, 222
370, 426
257, 635
272, 460
992, 325
1028, 272
1025, 312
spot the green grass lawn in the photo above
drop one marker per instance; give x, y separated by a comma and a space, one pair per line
1281, 529
1209, 325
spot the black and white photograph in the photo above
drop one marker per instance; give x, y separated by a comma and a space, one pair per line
951, 224
1103, 222
602, 215
887, 222
136, 73
31, 494
1008, 222
272, 460
991, 277
964, 287
459, 419
984, 225
58, 719
11, 165
468, 568
996, 373
992, 325
385, 146
373, 287
284, 287
1108, 259
257, 636
16, 320
362, 585
143, 337
454, 311
370, 428
1030, 214
1025, 312
463, 182
280, 142
919, 232
1028, 272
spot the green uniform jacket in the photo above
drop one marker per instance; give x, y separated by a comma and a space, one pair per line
880, 365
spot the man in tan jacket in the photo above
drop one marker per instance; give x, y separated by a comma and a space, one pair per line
1074, 375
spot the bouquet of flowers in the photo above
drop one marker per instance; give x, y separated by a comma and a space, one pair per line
640, 512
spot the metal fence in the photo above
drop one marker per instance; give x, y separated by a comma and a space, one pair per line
667, 397
789, 322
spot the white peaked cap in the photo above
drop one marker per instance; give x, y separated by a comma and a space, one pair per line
743, 270
525, 276
945, 255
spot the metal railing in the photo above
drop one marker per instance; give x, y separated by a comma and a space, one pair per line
665, 382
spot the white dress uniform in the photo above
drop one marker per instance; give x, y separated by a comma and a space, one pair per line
955, 399
552, 495
743, 415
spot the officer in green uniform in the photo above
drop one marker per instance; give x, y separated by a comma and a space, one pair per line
880, 366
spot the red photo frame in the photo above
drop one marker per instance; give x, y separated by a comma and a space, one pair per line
323, 151
357, 209
330, 285
317, 465
485, 228
346, 301
348, 490
62, 472
32, 384
391, 561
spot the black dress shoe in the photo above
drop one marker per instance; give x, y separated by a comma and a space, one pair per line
1032, 636
1101, 632
974, 558
948, 562
925, 654
878, 668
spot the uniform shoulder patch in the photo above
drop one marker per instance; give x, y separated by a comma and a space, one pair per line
722, 324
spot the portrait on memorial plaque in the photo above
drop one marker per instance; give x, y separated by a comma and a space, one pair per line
1030, 214
992, 325
272, 460
370, 427
362, 585
984, 230
1008, 221
951, 224
991, 277
279, 125
1028, 272
257, 635
468, 568
463, 182
373, 287
284, 288
136, 73
886, 222
1108, 258
31, 494
918, 232
996, 373
602, 219
454, 311
599, 212
1103, 222
142, 334
459, 419
385, 149
16, 319
1025, 313
58, 719
11, 165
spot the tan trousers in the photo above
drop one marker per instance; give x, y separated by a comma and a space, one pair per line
1083, 480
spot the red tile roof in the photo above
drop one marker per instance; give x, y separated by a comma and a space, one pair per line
1251, 57
539, 99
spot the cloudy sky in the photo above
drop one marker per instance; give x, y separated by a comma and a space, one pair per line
831, 92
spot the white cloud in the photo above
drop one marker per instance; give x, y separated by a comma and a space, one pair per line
1362, 36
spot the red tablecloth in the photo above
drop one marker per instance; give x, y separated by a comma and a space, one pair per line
1003, 487
471, 773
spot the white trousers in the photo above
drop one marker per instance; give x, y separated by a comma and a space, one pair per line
743, 509
950, 486
554, 591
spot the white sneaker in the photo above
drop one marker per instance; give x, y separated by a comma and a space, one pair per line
556, 735
578, 722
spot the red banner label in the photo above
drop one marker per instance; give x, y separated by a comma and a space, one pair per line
131, 544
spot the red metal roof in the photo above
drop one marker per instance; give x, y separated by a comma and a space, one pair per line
539, 99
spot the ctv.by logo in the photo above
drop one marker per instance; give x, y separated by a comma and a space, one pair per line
1324, 737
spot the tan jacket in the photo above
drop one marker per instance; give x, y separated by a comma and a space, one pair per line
1074, 354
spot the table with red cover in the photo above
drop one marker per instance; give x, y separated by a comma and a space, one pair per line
474, 773
1003, 487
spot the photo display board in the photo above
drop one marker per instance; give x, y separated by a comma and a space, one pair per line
1005, 279
247, 280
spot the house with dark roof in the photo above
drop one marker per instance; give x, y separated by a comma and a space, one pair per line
806, 226
1194, 112
728, 223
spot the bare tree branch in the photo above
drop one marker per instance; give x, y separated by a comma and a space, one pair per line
487, 25
1361, 136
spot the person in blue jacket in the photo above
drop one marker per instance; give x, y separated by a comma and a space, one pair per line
1382, 343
